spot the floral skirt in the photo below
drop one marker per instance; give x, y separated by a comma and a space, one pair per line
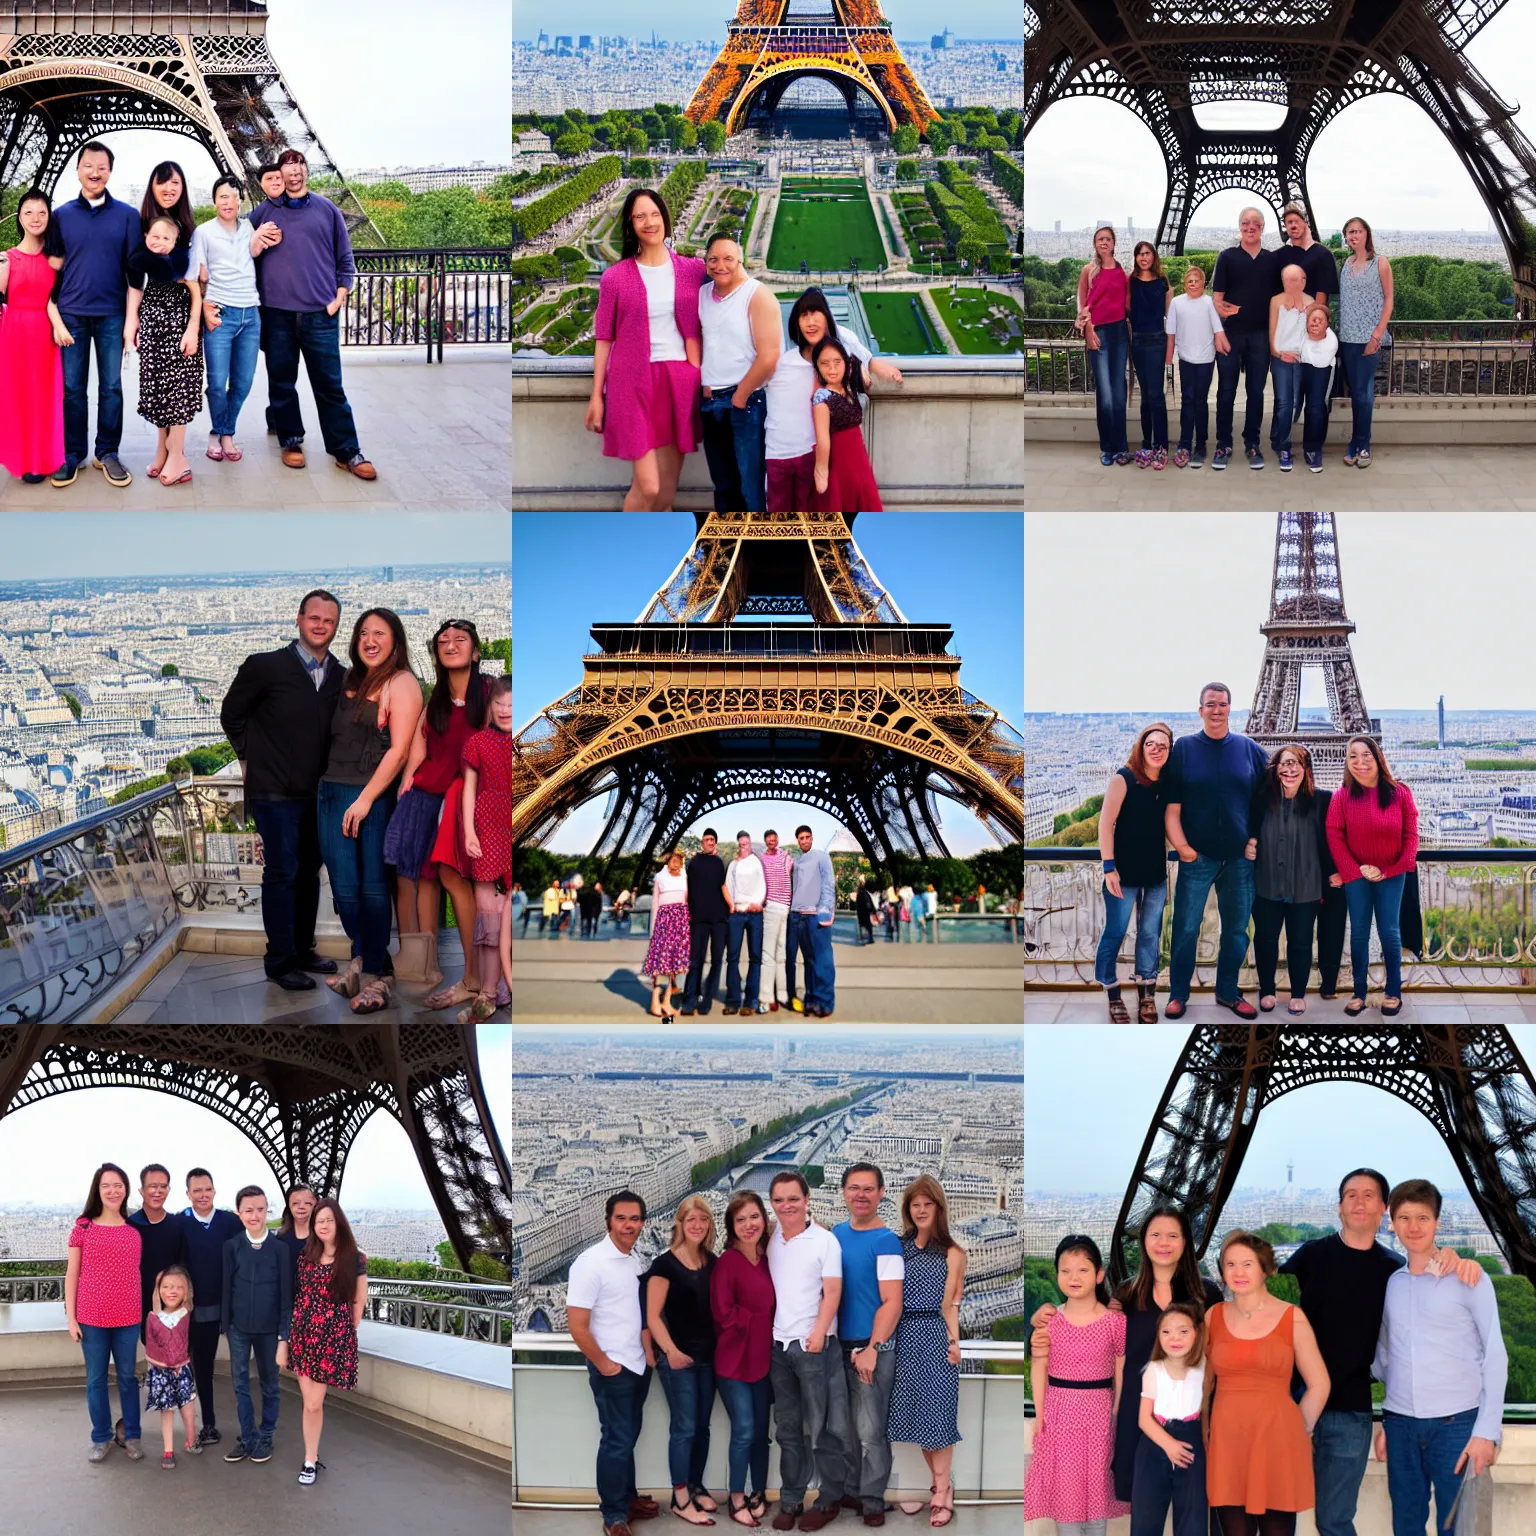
669, 950
168, 1386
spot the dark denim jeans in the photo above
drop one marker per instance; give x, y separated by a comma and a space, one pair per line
120, 1345
1287, 379
105, 334
290, 880
810, 1409
1421, 1458
229, 355
809, 940
698, 993
1249, 361
359, 878
1156, 1485
1233, 879
868, 1447
1147, 902
749, 924
620, 1406
1383, 900
286, 336
1314, 393
691, 1399
1299, 920
733, 448
203, 1338
1341, 1447
1108, 365
240, 1347
1194, 404
1360, 371
746, 1404
1147, 352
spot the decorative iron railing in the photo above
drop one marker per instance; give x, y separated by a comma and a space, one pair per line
940, 927
432, 297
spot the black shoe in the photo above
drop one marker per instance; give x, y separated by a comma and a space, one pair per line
209, 1435
294, 981
67, 473
34, 479
237, 1452
318, 965
263, 1451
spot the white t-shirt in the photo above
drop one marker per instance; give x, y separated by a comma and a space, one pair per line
669, 888
1290, 329
661, 310
791, 429
1320, 354
1193, 324
1173, 1399
746, 883
607, 1282
798, 1267
231, 267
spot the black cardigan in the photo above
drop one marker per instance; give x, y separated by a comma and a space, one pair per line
1319, 812
279, 723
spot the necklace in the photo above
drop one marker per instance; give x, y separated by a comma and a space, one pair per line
1248, 1317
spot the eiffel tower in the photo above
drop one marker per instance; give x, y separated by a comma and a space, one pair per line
1308, 627
1469, 1081
73, 70
845, 706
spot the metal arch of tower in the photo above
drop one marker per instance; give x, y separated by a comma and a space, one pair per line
301, 1096
1469, 1081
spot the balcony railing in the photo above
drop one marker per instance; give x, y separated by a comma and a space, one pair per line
940, 928
411, 297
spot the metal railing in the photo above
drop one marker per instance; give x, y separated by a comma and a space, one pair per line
994, 927
412, 297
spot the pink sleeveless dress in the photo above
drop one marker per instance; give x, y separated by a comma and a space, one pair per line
31, 372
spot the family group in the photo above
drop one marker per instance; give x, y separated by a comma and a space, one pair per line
690, 351
176, 1283
851, 1337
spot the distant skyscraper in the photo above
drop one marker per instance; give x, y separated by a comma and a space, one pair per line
1130, 225
389, 573
1058, 226
1442, 722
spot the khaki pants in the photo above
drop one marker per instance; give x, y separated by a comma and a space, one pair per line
775, 940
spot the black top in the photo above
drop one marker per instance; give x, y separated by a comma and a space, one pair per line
590, 902
1343, 1294
146, 266
358, 741
1148, 305
161, 1244
279, 724
1249, 281
1141, 857
706, 898
1318, 815
864, 903
1317, 261
686, 1310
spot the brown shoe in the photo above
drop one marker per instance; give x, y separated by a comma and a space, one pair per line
874, 1519
1146, 1010
785, 1519
359, 466
816, 1517
1117, 1012
643, 1508
293, 458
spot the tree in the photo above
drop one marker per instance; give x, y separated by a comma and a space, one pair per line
74, 704
685, 135
940, 137
635, 141
904, 140
972, 250
169, 670
571, 144
906, 170
957, 131
712, 137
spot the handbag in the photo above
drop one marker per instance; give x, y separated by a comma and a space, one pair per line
1471, 1511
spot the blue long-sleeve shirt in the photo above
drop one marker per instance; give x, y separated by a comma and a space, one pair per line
97, 245
812, 887
1212, 781
313, 259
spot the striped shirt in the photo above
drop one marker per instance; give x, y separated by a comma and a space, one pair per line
776, 867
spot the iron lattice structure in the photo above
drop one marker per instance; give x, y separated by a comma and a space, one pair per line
767, 48
74, 70
1165, 59
1469, 1081
301, 1096
846, 705
1308, 627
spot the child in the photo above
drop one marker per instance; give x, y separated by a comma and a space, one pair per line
31, 333
487, 811
168, 1349
1170, 1454
1195, 332
844, 480
1069, 1479
1318, 352
256, 1311
165, 323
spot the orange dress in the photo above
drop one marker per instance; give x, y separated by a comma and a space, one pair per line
1259, 1456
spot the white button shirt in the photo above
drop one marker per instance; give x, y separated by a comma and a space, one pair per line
607, 1282
798, 1266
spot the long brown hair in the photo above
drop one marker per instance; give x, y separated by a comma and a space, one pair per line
738, 1201
172, 1269
1156, 269
1273, 789
286, 1225
926, 1184
93, 1201
1136, 1293
1386, 784
343, 1278
1370, 241
1196, 1314
363, 680
1137, 761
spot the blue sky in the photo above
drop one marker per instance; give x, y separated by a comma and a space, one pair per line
571, 570
684, 20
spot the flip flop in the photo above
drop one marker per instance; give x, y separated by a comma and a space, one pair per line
215, 453
234, 455
181, 479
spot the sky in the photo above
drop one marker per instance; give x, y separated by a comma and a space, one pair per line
135, 1126
1090, 161
1084, 1125
52, 544
570, 571
685, 20
1182, 599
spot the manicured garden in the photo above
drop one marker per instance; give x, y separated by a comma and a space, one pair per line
558, 324
827, 223
899, 324
981, 321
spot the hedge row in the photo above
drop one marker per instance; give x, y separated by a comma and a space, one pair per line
532, 220
960, 218
679, 185
1009, 177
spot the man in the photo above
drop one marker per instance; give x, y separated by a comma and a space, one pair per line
1314, 258
1247, 278
812, 892
270, 179
519, 903
304, 271
742, 337
778, 870
809, 1393
205, 1231
162, 1236
591, 905
1343, 1290
602, 1308
98, 233
277, 716
867, 1316
864, 906
746, 889
1210, 778
551, 905
709, 910
1442, 1356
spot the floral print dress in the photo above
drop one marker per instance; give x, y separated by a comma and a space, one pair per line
322, 1343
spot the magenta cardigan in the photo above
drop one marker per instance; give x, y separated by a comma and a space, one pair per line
622, 319
1360, 832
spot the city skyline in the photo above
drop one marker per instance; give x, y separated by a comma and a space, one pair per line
971, 20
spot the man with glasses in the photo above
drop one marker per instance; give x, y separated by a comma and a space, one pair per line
1247, 277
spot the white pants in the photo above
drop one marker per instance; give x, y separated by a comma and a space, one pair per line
775, 939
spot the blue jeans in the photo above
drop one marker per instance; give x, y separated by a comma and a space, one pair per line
1233, 879
1147, 902
1421, 1457
810, 1412
1314, 391
691, 1398
359, 881
1341, 1447
750, 924
807, 938
699, 991
1287, 379
1156, 1485
98, 1345
1194, 407
746, 1402
620, 1405
1360, 371
105, 332
1249, 361
240, 1347
287, 335
1382, 899
290, 880
229, 355
1108, 365
1147, 353
733, 448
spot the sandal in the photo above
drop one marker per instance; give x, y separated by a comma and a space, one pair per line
349, 981
374, 996
942, 1505
234, 454
1117, 1012
687, 1505
758, 1504
738, 1510
214, 451
1355, 1007
1146, 1008
457, 993
1391, 1009
483, 1008
703, 1498
1266, 1005
1297, 1005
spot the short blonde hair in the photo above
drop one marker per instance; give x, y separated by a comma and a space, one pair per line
686, 1206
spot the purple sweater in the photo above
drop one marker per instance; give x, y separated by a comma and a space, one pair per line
313, 259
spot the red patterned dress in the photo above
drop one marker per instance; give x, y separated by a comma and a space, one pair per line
489, 753
322, 1343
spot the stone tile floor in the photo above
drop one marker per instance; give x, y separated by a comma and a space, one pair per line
1089, 1007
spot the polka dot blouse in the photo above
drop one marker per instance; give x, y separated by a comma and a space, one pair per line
108, 1293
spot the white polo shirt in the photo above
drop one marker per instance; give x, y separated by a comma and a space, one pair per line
607, 1282
798, 1267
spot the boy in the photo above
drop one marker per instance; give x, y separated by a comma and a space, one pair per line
1317, 354
256, 1311
1195, 332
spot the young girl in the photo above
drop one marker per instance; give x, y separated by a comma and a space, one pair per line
1076, 1391
1150, 295
1318, 352
1196, 334
487, 811
1170, 1455
667, 953
164, 322
168, 1349
844, 480
31, 333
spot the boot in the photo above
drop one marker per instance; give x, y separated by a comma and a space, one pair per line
1146, 1012
417, 960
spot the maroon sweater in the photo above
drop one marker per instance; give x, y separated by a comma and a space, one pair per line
1361, 832
741, 1297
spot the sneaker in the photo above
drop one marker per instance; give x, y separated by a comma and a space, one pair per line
1255, 459
799, 1007
1160, 458
1285, 461
112, 467
1106, 459
168, 1462
195, 1449
1315, 462
263, 1451
1122, 459
1143, 457
1363, 459
1220, 457
1197, 460
134, 1449
1181, 459
66, 474
237, 1452
209, 1435
102, 1451
307, 1472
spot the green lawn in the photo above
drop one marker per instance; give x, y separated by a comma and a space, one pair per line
977, 320
826, 223
896, 324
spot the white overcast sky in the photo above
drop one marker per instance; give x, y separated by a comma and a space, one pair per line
1090, 161
1441, 604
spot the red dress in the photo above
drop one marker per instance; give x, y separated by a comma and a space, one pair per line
322, 1343
489, 753
31, 372
442, 774
850, 480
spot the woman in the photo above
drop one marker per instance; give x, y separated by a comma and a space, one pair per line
1258, 1455
1134, 851
1288, 311
1293, 871
1373, 834
667, 955
1365, 308
1103, 295
645, 368
103, 1307
371, 733
293, 1231
925, 1391
1150, 295
31, 334
789, 440
742, 1301
222, 260
677, 1311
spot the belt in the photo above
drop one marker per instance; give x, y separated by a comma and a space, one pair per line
921, 1312
1059, 1381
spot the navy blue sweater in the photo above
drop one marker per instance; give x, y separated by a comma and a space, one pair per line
205, 1259
258, 1286
97, 244
1212, 782
161, 1244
